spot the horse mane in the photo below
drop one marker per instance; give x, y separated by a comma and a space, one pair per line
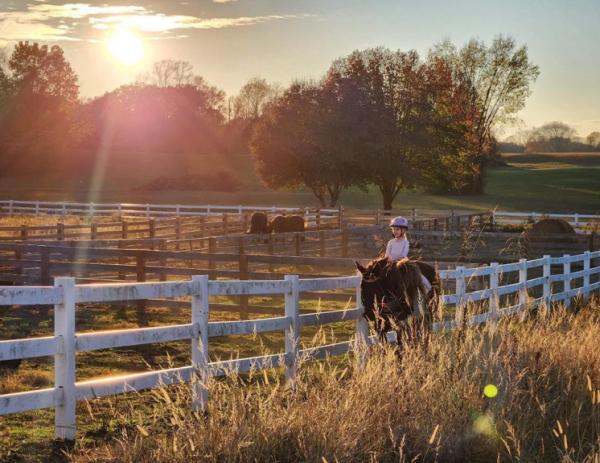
409, 277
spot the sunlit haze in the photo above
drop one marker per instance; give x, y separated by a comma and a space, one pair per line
126, 47
229, 42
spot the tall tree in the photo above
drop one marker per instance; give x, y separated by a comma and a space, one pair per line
253, 98
388, 89
501, 76
39, 126
302, 140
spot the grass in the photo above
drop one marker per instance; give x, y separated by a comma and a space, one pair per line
422, 405
555, 182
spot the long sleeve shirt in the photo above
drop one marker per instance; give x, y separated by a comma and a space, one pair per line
397, 248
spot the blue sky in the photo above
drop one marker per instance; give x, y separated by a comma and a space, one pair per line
229, 42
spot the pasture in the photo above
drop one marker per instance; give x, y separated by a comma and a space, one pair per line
525, 183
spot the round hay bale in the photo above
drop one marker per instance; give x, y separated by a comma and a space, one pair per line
551, 226
548, 236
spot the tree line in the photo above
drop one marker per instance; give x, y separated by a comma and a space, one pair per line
553, 136
381, 117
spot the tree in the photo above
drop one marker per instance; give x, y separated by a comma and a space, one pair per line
501, 77
593, 139
388, 91
169, 73
552, 136
40, 94
299, 141
253, 98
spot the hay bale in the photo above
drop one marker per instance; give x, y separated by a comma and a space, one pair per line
546, 226
548, 236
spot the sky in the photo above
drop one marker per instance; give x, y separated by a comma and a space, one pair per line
231, 41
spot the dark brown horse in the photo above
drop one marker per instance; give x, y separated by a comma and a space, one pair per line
395, 298
259, 223
287, 223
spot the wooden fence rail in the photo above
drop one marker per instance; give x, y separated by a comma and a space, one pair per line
66, 342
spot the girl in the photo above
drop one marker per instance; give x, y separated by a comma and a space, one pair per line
397, 248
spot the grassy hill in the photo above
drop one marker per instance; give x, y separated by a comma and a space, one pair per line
551, 182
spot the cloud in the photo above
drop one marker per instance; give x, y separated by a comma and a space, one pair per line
162, 23
45, 22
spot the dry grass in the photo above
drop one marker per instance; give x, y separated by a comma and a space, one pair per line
420, 405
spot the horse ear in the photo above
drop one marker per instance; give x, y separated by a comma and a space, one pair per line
360, 268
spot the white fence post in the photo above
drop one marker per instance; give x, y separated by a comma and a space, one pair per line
460, 294
586, 275
362, 330
10, 206
547, 287
177, 207
64, 360
200, 342
37, 208
292, 333
567, 279
522, 283
494, 299
147, 211
576, 217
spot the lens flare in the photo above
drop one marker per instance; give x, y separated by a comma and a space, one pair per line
490, 391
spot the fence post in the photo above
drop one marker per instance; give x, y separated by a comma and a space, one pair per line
586, 275
576, 220
341, 217
344, 243
93, 231
11, 206
378, 217
60, 231
177, 210
147, 211
200, 342
298, 244
495, 298
413, 215
151, 228
459, 316
140, 265
362, 329
91, 210
37, 208
45, 266
64, 360
567, 279
243, 273
24, 233
547, 288
212, 249
292, 332
522, 283
318, 219
124, 231
224, 224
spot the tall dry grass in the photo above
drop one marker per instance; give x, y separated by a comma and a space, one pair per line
417, 405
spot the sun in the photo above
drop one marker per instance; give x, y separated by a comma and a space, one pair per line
126, 47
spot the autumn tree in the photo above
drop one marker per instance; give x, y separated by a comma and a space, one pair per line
501, 76
302, 140
40, 93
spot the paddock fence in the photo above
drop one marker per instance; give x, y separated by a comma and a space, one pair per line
533, 283
580, 222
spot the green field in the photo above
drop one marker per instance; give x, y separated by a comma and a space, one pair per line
557, 182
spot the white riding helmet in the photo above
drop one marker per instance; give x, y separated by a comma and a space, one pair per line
399, 222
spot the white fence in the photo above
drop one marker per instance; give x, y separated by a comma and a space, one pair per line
66, 342
580, 222
147, 210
